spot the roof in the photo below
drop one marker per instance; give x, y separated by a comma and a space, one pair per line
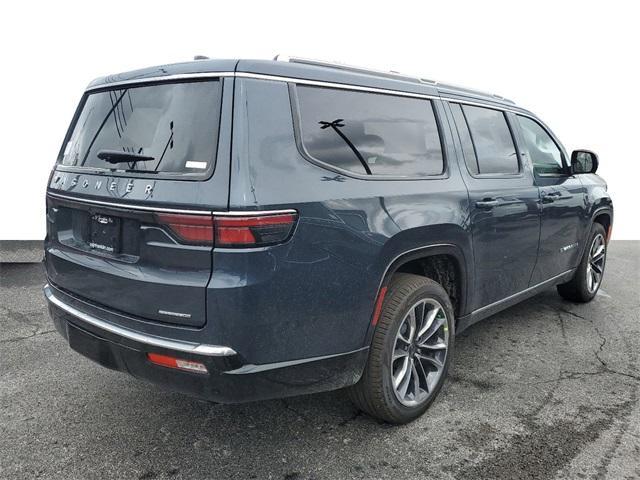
292, 67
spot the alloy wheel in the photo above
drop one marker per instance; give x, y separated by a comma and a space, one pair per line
595, 267
419, 352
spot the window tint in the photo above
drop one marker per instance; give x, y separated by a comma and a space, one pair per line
543, 151
369, 133
465, 139
491, 137
176, 124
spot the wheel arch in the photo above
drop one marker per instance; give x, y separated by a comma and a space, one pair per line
444, 263
603, 216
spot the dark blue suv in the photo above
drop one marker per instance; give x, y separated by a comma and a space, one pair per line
243, 230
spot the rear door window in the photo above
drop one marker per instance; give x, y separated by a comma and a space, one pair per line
175, 124
493, 151
369, 133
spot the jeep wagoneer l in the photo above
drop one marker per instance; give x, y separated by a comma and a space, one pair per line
241, 230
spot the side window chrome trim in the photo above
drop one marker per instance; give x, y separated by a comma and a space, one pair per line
167, 78
304, 81
483, 176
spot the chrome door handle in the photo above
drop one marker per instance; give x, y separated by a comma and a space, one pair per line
551, 197
487, 204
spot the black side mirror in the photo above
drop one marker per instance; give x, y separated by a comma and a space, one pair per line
584, 161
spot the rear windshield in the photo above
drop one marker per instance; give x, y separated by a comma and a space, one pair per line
169, 128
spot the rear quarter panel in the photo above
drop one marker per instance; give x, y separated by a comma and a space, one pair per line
314, 295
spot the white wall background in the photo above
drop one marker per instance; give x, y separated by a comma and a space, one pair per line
573, 63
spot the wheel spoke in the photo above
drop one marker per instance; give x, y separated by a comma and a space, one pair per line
399, 353
402, 373
434, 346
418, 311
429, 318
599, 252
431, 360
404, 339
411, 320
595, 267
406, 379
416, 381
433, 329
425, 375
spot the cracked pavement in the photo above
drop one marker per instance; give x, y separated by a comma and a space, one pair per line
546, 389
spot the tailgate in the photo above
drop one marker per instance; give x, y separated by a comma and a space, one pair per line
126, 260
129, 202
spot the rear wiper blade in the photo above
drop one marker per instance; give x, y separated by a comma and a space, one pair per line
116, 156
133, 170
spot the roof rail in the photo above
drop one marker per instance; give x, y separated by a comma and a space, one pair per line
388, 74
352, 68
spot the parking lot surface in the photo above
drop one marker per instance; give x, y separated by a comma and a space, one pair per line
546, 389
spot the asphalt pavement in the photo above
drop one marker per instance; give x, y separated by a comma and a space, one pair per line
546, 389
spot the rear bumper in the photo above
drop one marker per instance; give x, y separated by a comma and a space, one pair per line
229, 378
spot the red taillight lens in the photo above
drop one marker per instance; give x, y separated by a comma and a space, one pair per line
197, 229
248, 231
227, 231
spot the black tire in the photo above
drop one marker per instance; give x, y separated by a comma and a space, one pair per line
375, 393
577, 289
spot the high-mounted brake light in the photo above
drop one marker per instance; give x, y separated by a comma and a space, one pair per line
179, 363
230, 232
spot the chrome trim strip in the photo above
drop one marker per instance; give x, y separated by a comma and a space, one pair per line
167, 78
492, 106
151, 340
124, 205
342, 86
235, 213
260, 76
522, 292
318, 83
400, 93
272, 366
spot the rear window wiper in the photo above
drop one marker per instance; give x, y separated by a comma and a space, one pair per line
116, 156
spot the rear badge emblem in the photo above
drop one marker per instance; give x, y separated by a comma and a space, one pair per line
174, 314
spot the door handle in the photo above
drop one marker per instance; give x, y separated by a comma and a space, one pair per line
487, 204
549, 197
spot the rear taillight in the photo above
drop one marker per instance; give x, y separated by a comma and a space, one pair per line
230, 231
195, 229
253, 231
